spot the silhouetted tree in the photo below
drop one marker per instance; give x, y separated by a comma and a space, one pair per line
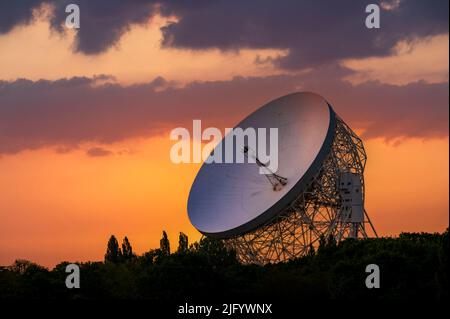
416, 268
331, 242
22, 266
127, 250
322, 244
164, 245
311, 250
443, 271
183, 243
326, 245
215, 251
113, 252
149, 257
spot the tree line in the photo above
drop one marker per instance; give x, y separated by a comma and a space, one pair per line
412, 265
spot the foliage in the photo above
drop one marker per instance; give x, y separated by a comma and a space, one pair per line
183, 243
164, 245
113, 252
127, 250
413, 266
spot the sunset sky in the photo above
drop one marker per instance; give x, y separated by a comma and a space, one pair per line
85, 114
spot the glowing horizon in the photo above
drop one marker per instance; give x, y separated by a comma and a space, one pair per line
84, 138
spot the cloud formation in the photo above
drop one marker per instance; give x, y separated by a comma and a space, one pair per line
68, 112
103, 21
98, 152
16, 13
314, 32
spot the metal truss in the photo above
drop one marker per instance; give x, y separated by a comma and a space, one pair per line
314, 213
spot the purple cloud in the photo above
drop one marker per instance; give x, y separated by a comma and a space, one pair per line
67, 112
98, 152
315, 32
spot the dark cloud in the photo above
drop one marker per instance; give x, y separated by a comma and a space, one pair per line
102, 22
314, 32
14, 13
98, 152
68, 112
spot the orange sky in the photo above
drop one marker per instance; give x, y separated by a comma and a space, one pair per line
64, 206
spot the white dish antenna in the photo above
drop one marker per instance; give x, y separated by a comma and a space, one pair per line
288, 210
230, 199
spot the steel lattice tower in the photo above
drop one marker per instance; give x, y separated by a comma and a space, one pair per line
318, 211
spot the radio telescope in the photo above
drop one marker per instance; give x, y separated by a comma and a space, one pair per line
318, 189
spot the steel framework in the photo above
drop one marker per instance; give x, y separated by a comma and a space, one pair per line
314, 213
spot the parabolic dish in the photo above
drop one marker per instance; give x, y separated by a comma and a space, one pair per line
229, 199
